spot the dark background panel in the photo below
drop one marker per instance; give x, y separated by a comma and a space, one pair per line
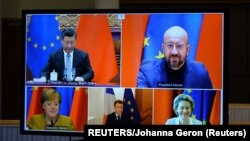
11, 68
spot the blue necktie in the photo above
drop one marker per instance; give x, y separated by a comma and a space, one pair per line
68, 66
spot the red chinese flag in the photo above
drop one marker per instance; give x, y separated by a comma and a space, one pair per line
94, 37
163, 105
79, 108
216, 112
133, 33
35, 103
210, 47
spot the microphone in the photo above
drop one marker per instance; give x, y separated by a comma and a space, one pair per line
52, 123
65, 75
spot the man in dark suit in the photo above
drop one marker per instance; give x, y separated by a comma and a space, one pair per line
174, 71
70, 63
118, 117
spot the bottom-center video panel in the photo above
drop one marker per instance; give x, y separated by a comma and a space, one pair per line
120, 106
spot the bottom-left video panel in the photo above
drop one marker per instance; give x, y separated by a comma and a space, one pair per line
56, 108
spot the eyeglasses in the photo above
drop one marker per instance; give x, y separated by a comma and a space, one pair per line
179, 46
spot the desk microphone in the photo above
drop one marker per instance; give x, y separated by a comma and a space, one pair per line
65, 75
52, 123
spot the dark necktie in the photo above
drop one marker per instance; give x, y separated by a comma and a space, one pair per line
119, 118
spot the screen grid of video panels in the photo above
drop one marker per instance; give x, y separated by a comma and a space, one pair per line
165, 68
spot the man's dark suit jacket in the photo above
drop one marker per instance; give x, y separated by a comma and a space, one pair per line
192, 75
112, 119
80, 63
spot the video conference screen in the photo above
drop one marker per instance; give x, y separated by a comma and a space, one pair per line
142, 68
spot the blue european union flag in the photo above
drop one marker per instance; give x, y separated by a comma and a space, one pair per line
203, 100
159, 23
43, 37
130, 107
208, 100
110, 91
67, 94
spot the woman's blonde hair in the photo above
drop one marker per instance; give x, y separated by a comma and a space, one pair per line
50, 94
183, 97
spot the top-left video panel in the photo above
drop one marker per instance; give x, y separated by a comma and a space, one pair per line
73, 49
